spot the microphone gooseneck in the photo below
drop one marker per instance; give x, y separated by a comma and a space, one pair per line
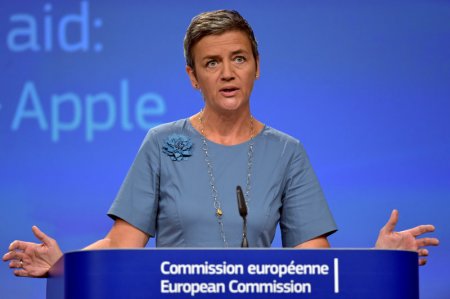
243, 212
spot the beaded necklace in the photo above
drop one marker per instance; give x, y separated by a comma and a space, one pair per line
212, 181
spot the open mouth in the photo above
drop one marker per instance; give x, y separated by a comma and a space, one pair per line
229, 91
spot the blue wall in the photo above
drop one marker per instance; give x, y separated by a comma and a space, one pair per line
364, 85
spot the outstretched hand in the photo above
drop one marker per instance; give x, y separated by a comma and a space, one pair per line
407, 239
32, 259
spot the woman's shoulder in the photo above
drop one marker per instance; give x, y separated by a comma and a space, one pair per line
281, 142
161, 132
165, 129
273, 135
170, 127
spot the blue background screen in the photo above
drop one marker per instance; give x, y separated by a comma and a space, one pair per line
365, 85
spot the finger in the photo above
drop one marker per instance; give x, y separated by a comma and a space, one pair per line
422, 262
389, 227
423, 252
8, 256
18, 245
16, 264
421, 229
13, 255
427, 242
40, 235
21, 272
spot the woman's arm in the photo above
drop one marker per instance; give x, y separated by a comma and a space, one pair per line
407, 239
390, 239
35, 260
319, 242
32, 259
121, 235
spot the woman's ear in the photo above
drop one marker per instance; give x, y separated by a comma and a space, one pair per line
257, 69
192, 77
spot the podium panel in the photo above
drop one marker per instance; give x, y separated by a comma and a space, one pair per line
235, 273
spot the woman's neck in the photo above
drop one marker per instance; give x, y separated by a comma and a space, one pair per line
226, 129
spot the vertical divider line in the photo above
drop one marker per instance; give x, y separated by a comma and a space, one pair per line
336, 276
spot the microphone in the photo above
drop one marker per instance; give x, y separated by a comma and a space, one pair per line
243, 212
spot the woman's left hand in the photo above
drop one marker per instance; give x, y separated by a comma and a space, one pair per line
407, 239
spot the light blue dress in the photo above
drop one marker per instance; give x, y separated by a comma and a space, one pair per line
167, 194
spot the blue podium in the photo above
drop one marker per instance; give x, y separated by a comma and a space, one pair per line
235, 273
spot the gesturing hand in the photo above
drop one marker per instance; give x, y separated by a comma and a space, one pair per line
32, 259
407, 239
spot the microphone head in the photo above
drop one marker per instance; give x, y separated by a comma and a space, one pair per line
241, 202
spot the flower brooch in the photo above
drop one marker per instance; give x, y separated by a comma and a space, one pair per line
177, 147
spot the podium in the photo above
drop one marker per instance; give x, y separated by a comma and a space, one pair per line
235, 273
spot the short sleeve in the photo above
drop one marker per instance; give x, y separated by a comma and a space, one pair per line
305, 213
137, 200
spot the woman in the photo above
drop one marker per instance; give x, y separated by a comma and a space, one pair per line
181, 186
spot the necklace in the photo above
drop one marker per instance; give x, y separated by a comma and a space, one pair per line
212, 179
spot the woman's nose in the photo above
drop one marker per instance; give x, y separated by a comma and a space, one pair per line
227, 71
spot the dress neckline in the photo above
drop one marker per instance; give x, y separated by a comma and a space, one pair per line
199, 135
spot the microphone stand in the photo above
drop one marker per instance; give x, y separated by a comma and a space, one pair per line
243, 212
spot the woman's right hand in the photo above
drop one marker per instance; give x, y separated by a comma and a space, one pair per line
32, 259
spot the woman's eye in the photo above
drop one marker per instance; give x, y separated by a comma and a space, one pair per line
239, 59
211, 64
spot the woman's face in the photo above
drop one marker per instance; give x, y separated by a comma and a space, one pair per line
225, 70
